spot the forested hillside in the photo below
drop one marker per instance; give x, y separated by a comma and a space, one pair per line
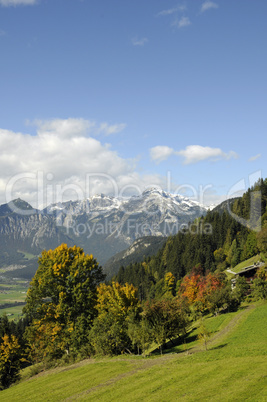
216, 241
70, 313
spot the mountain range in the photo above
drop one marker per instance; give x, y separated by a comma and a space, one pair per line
102, 225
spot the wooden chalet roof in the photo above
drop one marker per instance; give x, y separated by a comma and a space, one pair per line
250, 268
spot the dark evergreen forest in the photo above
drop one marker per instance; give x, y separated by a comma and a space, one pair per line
217, 241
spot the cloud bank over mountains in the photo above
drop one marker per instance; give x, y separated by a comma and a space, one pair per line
66, 158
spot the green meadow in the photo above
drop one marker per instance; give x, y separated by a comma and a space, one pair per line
234, 368
12, 297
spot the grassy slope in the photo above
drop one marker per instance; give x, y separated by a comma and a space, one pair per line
247, 263
233, 369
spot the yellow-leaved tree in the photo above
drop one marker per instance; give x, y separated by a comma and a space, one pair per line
61, 301
11, 358
115, 305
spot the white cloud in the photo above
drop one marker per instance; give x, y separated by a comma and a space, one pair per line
76, 127
108, 130
182, 22
7, 3
64, 128
161, 153
38, 168
139, 42
171, 11
197, 153
207, 5
211, 198
191, 154
253, 158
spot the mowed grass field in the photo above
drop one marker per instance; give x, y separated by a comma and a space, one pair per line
233, 369
12, 293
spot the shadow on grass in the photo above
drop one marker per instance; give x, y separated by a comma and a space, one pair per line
243, 307
218, 347
234, 309
171, 346
189, 339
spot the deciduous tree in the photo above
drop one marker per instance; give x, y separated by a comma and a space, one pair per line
115, 304
61, 295
166, 319
11, 358
259, 285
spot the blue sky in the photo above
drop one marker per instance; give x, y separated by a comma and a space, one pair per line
115, 96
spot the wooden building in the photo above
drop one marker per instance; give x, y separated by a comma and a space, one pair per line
249, 273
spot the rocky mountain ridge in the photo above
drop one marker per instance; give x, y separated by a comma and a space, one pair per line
101, 224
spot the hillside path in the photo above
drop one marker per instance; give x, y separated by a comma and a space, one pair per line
230, 271
147, 363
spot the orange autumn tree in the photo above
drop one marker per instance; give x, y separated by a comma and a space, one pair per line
196, 288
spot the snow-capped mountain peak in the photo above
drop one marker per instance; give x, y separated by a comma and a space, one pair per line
152, 210
101, 224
